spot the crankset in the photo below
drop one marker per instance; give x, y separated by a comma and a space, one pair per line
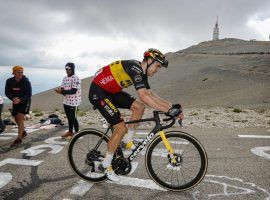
121, 166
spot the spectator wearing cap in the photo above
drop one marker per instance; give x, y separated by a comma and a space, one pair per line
18, 89
71, 90
2, 125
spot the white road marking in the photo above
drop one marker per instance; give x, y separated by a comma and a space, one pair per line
141, 133
221, 180
53, 140
15, 161
228, 189
134, 167
31, 130
81, 188
254, 136
10, 134
178, 142
28, 130
36, 150
5, 138
261, 151
225, 189
136, 182
5, 178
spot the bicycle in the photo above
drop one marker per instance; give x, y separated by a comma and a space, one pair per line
175, 160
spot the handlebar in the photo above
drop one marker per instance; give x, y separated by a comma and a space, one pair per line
156, 118
172, 119
169, 125
167, 119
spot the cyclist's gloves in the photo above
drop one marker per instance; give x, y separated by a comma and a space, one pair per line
177, 106
174, 111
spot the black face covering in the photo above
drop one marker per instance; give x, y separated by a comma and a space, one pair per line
72, 67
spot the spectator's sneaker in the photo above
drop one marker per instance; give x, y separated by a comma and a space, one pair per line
111, 175
16, 143
68, 135
24, 134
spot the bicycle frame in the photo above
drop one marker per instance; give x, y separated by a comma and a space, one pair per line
158, 128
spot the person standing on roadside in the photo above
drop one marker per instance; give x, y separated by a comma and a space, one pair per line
71, 89
2, 125
19, 90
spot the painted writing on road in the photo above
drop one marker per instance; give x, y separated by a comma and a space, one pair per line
259, 151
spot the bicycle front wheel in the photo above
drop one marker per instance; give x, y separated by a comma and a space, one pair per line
85, 150
190, 166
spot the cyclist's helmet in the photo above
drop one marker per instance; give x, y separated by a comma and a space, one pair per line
156, 55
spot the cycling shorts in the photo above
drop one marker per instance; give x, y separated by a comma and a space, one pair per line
22, 108
108, 103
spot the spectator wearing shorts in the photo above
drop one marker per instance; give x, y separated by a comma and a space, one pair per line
18, 89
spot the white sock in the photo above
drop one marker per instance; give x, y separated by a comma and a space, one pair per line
107, 160
128, 136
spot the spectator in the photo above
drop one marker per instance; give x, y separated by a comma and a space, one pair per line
18, 89
71, 89
2, 125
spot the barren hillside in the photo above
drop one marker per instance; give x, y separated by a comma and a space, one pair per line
229, 72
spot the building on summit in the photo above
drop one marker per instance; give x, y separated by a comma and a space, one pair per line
216, 31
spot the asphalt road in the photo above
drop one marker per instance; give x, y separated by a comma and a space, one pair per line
238, 168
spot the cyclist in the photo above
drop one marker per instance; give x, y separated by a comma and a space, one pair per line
107, 96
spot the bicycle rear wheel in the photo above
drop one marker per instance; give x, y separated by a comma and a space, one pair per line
84, 152
187, 172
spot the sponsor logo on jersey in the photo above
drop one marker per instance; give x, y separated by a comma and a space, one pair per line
106, 80
141, 85
109, 110
109, 103
108, 106
102, 103
138, 78
95, 96
136, 69
125, 83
